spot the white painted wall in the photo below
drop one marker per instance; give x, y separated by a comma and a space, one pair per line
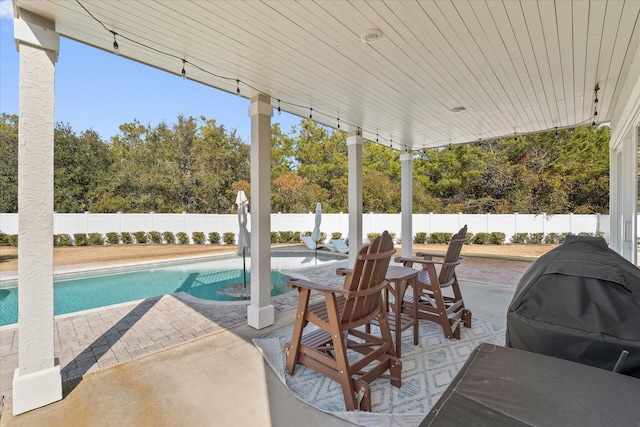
339, 222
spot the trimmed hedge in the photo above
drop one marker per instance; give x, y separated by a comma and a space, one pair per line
169, 237
113, 238
80, 239
214, 238
62, 240
198, 237
440, 237
183, 238
229, 238
155, 237
420, 237
96, 239
141, 236
126, 238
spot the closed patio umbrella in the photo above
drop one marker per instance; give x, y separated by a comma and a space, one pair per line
244, 241
315, 236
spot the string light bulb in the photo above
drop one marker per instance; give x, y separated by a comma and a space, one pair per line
184, 72
116, 51
116, 48
338, 122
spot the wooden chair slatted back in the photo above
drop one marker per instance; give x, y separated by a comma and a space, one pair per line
369, 271
452, 255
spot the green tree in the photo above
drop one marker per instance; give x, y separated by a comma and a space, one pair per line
9, 163
81, 165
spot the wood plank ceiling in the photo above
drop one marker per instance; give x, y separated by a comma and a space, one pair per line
515, 66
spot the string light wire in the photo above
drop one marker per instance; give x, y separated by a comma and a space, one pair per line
257, 90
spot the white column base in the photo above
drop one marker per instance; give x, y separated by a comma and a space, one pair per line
260, 317
37, 389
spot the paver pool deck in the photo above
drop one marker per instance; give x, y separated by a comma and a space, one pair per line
91, 341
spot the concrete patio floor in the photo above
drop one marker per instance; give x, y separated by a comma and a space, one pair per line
177, 361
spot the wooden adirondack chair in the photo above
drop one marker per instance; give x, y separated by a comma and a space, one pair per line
448, 311
327, 349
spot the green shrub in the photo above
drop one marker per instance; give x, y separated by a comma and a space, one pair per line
4, 239
214, 238
198, 237
372, 236
12, 239
440, 237
336, 235
169, 237
229, 238
323, 237
420, 237
183, 238
585, 234
126, 238
497, 237
393, 236
296, 237
141, 236
113, 238
520, 238
552, 238
285, 236
155, 237
482, 238
62, 240
96, 239
275, 237
535, 238
600, 234
80, 239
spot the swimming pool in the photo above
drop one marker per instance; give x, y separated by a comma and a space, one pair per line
199, 278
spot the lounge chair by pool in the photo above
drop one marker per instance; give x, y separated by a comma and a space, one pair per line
307, 240
340, 246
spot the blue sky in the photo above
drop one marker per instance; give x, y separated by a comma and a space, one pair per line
99, 90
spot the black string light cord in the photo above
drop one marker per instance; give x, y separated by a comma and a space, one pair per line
238, 82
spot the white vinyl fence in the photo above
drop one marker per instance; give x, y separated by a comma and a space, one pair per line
509, 224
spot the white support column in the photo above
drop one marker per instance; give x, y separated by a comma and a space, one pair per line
260, 313
355, 141
36, 381
406, 201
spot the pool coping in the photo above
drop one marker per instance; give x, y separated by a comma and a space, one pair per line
77, 270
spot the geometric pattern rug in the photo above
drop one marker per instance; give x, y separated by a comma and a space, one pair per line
427, 370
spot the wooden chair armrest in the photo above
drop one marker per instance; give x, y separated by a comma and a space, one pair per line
300, 283
343, 271
426, 261
429, 255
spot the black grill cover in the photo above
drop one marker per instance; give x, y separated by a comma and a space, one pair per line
580, 302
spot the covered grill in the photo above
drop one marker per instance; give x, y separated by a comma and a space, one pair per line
580, 302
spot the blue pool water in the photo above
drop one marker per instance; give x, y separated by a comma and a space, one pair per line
200, 279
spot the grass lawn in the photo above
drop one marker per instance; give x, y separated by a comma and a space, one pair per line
121, 253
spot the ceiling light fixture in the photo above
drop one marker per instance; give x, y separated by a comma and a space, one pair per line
371, 36
458, 109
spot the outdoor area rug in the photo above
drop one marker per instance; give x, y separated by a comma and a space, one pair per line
427, 370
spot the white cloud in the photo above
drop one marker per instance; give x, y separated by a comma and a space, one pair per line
6, 9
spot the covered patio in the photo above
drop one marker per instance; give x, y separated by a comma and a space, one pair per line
410, 75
